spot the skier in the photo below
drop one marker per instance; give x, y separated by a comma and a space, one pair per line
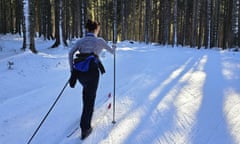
85, 67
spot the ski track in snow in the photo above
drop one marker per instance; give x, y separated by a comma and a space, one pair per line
164, 95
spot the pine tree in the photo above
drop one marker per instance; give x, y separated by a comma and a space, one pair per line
32, 25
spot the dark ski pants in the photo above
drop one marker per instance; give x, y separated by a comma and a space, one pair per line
89, 81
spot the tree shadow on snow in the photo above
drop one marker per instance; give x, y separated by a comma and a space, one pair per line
157, 123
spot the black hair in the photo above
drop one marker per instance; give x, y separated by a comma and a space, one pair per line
91, 25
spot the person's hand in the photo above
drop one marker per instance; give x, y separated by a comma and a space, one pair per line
73, 79
114, 46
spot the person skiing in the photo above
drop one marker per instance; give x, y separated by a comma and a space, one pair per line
85, 67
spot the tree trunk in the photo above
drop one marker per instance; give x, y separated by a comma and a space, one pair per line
57, 21
24, 46
175, 23
115, 21
32, 25
147, 21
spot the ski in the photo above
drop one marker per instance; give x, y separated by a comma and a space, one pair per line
107, 106
69, 135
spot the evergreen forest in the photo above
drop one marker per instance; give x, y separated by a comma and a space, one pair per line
194, 23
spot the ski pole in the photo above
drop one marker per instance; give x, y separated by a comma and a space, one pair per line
114, 86
45, 117
114, 43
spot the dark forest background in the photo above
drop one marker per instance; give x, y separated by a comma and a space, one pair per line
194, 23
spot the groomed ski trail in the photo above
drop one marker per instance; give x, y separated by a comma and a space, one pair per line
164, 95
101, 123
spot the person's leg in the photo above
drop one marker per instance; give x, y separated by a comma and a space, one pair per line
89, 95
88, 107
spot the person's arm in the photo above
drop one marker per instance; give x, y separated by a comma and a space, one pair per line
104, 45
71, 54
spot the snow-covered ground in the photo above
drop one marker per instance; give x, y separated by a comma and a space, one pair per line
164, 95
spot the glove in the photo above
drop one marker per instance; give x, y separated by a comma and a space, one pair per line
73, 79
114, 46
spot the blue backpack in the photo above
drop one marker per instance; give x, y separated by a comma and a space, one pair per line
84, 65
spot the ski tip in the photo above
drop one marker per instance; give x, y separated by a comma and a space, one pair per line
109, 94
109, 106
